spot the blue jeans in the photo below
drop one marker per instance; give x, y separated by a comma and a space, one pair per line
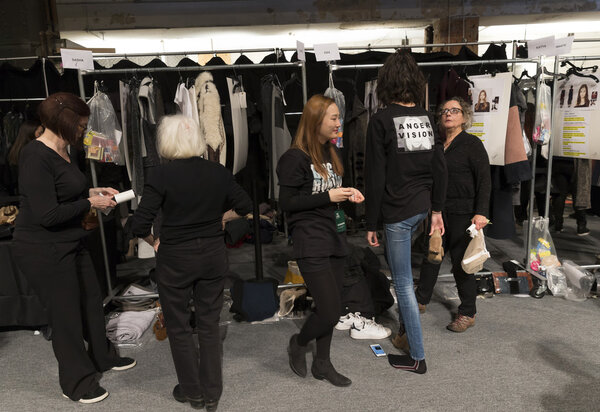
398, 246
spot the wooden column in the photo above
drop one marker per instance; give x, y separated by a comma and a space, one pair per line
455, 29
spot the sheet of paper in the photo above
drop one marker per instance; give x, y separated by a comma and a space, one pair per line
77, 59
564, 45
326, 52
300, 50
544, 46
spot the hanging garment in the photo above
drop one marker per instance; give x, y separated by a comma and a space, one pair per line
135, 139
210, 118
501, 207
356, 132
340, 101
275, 131
237, 99
452, 85
151, 110
583, 184
517, 168
183, 102
371, 100
124, 145
194, 103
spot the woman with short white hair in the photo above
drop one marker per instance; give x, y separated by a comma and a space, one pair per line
192, 193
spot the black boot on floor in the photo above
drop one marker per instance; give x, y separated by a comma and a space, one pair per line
323, 369
405, 362
196, 403
211, 405
297, 356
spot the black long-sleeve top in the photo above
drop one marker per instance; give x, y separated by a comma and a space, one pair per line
304, 195
405, 169
193, 194
469, 181
54, 196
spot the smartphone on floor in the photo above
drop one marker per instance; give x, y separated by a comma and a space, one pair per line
377, 350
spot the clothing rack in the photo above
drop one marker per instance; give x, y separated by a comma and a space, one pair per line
334, 67
25, 99
81, 73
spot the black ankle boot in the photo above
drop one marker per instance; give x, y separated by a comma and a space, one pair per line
323, 369
297, 355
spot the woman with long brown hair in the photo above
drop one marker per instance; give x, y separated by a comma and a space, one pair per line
310, 175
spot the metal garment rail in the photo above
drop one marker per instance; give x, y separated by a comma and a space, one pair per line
473, 63
440, 63
80, 75
301, 65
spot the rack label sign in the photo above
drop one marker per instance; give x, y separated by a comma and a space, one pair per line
541, 47
77, 59
300, 50
326, 52
564, 45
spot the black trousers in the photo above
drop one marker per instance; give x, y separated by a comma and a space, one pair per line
564, 182
63, 275
456, 241
194, 270
324, 281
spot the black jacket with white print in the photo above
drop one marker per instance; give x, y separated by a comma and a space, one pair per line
310, 214
405, 169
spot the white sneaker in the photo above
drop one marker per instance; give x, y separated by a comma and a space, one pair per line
369, 329
345, 322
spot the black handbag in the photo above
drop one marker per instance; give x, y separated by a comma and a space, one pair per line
254, 300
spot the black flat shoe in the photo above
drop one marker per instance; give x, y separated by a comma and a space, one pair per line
196, 403
211, 405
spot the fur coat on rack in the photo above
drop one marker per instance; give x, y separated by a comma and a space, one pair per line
210, 119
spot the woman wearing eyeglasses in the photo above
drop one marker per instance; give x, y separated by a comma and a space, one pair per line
467, 202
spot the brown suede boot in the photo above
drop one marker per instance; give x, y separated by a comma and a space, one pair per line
461, 323
400, 341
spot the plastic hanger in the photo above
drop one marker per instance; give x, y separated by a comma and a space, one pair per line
577, 71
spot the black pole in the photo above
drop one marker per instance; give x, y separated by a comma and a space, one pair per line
257, 245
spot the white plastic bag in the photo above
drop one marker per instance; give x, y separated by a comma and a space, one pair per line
579, 282
340, 101
557, 282
542, 129
476, 253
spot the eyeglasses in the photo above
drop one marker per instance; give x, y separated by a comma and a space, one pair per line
454, 110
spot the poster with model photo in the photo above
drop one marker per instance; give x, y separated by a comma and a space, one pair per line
576, 118
491, 96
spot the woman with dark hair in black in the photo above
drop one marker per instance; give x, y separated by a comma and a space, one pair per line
49, 248
29, 130
406, 177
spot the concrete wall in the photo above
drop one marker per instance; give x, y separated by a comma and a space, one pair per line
130, 14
